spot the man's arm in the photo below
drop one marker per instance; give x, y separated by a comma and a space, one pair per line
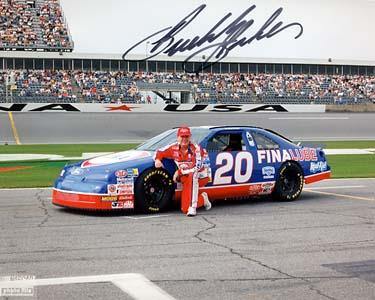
162, 153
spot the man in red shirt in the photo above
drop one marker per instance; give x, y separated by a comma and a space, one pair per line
192, 170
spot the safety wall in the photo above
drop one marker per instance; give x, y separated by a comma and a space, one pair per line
160, 108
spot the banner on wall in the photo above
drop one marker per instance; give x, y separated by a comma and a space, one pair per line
159, 108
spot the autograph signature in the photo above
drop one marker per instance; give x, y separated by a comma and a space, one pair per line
166, 40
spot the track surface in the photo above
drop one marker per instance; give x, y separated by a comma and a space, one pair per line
319, 247
119, 127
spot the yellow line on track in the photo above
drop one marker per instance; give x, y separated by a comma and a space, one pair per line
341, 195
14, 129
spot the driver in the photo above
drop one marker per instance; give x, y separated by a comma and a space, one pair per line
192, 170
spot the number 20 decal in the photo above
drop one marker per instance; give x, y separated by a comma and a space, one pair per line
225, 161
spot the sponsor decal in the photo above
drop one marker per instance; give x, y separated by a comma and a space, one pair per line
117, 204
135, 172
268, 172
267, 188
130, 172
125, 191
124, 188
109, 198
129, 204
154, 209
255, 189
319, 166
250, 139
161, 173
112, 189
121, 173
126, 197
121, 180
277, 155
128, 181
76, 171
125, 185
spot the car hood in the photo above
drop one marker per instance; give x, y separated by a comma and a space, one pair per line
93, 175
123, 158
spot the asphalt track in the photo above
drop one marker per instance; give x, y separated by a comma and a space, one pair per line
57, 127
319, 247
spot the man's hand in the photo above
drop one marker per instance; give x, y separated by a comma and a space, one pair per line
176, 176
158, 163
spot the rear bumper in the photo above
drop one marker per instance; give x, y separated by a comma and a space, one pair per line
317, 177
91, 201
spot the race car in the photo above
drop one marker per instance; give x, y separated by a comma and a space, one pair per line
244, 162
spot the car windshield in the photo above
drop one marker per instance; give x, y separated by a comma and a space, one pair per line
170, 136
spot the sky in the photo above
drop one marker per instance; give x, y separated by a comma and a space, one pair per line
337, 29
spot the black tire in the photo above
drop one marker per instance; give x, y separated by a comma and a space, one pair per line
154, 191
289, 182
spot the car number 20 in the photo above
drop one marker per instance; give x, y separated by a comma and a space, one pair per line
226, 163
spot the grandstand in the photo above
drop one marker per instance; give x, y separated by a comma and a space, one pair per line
37, 65
33, 25
51, 85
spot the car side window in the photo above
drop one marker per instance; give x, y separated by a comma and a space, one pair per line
264, 142
226, 142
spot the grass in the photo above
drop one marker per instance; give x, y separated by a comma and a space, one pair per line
43, 173
64, 149
349, 166
40, 174
343, 144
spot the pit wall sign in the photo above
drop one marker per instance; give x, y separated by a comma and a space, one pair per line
160, 108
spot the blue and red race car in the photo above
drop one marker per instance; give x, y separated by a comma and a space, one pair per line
244, 162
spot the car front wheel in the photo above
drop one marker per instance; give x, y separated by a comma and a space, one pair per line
154, 191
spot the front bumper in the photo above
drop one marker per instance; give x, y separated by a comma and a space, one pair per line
91, 201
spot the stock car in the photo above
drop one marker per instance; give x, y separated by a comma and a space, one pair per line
245, 162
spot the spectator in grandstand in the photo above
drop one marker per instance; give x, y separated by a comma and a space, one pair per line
19, 25
207, 88
16, 27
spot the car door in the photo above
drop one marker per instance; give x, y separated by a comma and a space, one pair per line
230, 158
267, 158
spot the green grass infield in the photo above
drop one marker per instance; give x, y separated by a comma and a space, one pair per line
41, 173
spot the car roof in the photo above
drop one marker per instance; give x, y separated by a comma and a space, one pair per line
226, 127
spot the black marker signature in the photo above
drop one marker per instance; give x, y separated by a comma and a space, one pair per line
231, 36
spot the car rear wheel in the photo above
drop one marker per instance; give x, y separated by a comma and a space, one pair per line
154, 190
289, 182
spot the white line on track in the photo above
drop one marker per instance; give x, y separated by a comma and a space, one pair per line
308, 118
342, 195
335, 187
135, 285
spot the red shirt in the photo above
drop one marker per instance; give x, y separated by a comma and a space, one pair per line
186, 160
